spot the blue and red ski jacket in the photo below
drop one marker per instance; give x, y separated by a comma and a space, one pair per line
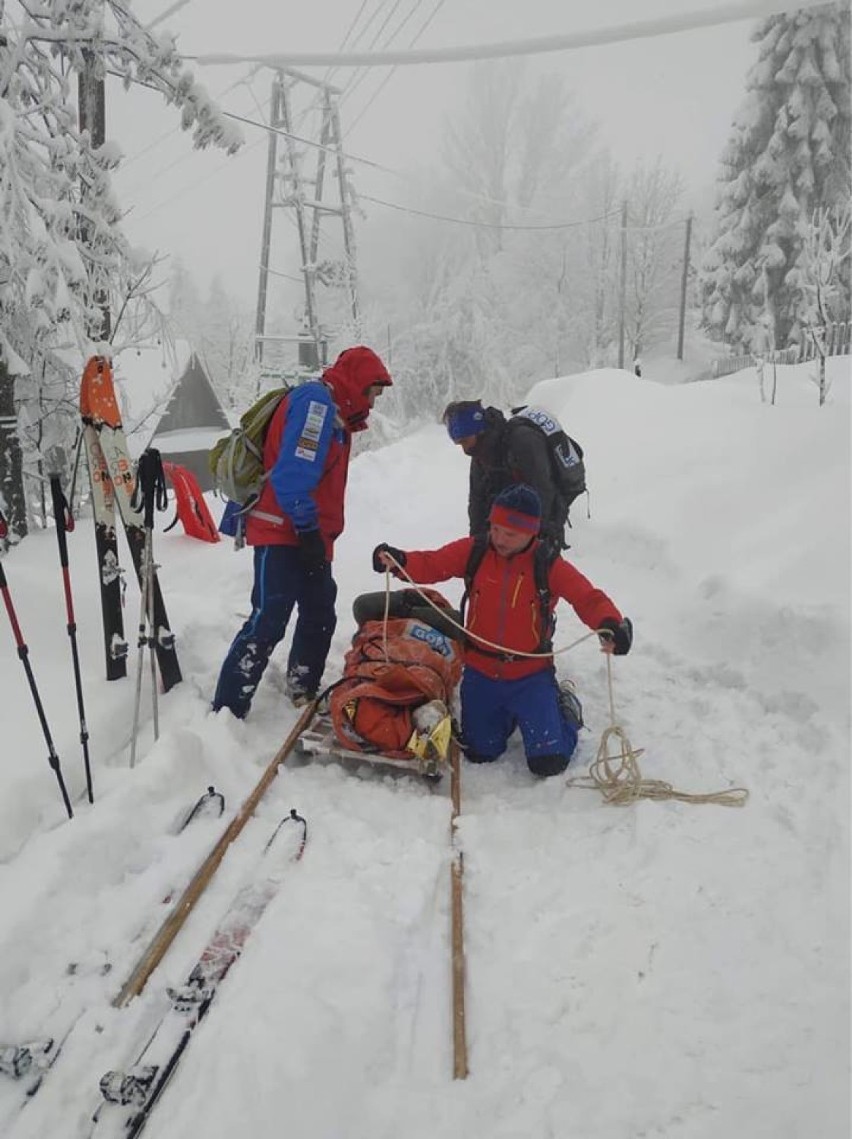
306, 453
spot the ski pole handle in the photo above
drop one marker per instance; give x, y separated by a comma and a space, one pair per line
62, 517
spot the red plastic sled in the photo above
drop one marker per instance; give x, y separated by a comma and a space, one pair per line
191, 507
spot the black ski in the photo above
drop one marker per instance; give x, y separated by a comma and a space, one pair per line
31, 1062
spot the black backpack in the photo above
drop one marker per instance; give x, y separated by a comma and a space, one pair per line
542, 561
566, 454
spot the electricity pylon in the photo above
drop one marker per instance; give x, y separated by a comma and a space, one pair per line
291, 186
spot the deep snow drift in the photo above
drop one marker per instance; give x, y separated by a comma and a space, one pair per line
658, 970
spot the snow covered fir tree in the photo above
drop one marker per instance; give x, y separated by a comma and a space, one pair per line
787, 165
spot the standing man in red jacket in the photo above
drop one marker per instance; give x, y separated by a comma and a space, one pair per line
294, 525
501, 690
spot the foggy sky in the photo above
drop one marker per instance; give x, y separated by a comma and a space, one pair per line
674, 95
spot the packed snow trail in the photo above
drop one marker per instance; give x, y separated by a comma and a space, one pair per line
661, 969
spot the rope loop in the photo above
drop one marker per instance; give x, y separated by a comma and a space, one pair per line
623, 784
619, 785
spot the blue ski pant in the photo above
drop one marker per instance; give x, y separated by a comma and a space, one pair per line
280, 583
492, 709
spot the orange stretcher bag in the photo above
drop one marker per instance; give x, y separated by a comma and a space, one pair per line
391, 672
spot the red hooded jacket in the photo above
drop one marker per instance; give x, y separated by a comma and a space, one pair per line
306, 452
503, 605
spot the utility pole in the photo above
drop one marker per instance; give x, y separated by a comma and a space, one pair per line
290, 187
346, 217
294, 196
266, 238
91, 114
623, 286
683, 280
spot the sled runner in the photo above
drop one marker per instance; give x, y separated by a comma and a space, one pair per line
321, 742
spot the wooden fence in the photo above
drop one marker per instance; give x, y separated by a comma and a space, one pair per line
836, 338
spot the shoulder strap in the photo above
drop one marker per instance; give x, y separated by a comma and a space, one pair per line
474, 561
542, 561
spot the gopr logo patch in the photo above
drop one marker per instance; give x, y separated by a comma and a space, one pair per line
436, 641
541, 419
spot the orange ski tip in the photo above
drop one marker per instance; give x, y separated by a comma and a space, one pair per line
97, 393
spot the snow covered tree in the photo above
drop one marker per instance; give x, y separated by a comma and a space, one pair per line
477, 147
184, 303
788, 155
823, 280
653, 255
514, 143
63, 256
219, 330
519, 152
227, 344
596, 254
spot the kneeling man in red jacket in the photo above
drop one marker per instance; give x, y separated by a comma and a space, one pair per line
511, 596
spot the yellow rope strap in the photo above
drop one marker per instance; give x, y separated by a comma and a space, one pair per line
619, 785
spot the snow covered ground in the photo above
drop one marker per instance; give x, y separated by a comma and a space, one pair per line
658, 970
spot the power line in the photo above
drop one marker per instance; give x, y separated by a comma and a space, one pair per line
618, 33
549, 226
304, 141
407, 209
178, 130
358, 79
197, 182
394, 70
487, 224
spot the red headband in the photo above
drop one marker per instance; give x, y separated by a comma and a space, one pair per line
513, 520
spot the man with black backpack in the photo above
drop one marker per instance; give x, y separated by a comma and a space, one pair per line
509, 680
530, 447
293, 526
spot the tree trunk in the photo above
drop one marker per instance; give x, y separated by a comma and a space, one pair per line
11, 460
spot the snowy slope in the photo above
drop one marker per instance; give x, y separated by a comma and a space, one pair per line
660, 970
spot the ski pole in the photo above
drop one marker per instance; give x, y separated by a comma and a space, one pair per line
64, 520
148, 494
23, 654
78, 450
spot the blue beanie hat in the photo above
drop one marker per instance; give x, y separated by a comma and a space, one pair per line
518, 507
464, 419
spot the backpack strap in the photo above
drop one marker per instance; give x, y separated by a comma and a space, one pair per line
543, 558
542, 561
474, 561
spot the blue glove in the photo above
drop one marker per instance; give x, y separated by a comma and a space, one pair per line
230, 523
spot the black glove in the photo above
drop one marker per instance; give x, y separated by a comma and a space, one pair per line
384, 548
620, 634
311, 551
